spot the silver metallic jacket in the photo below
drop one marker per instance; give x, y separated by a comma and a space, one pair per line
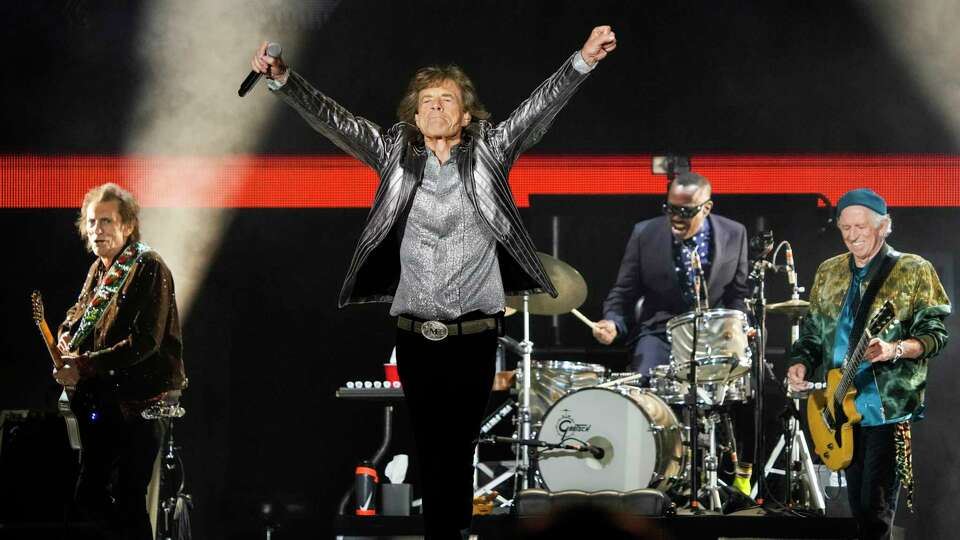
399, 157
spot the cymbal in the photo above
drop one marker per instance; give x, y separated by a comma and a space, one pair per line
571, 286
508, 311
793, 309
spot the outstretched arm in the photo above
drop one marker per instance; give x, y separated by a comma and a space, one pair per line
354, 135
601, 42
529, 121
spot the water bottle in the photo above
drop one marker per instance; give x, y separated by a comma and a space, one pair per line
365, 489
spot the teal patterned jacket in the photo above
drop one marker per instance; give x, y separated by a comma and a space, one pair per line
921, 305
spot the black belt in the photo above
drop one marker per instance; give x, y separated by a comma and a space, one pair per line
436, 330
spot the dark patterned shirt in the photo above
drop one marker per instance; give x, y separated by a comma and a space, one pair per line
682, 249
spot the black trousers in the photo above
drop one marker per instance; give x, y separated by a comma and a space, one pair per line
446, 385
117, 463
872, 483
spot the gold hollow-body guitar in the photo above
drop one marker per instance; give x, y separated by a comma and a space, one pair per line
831, 412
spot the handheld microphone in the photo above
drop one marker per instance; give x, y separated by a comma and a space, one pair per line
274, 50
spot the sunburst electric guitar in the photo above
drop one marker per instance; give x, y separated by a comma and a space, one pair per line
63, 405
831, 412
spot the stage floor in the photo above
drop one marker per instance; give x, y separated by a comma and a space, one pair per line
753, 523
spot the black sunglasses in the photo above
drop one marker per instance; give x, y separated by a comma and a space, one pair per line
685, 212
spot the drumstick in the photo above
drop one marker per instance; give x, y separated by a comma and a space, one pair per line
621, 380
586, 321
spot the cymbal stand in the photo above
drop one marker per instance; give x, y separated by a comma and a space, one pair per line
174, 504
800, 461
523, 452
711, 463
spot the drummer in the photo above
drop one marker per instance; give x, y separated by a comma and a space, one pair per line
655, 282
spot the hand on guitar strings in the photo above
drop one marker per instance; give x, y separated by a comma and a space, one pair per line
68, 375
63, 344
879, 351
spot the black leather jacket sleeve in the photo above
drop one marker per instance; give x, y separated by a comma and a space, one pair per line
353, 134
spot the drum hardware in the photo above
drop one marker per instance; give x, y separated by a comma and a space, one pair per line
523, 456
595, 451
711, 463
792, 442
799, 462
571, 293
488, 424
793, 308
792, 439
172, 502
691, 401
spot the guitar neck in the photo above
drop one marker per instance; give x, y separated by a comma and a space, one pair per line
50, 343
853, 365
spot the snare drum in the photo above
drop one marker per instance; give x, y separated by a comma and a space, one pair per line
723, 351
641, 438
552, 379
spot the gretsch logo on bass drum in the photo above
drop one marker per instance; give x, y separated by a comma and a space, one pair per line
566, 426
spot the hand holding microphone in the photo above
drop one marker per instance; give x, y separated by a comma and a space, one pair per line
266, 61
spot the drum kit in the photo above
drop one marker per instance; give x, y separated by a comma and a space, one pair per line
580, 427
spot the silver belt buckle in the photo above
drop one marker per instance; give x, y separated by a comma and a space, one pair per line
434, 330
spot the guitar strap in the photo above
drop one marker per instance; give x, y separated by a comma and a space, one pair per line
866, 303
104, 294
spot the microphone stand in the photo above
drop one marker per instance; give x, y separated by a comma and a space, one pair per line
691, 398
595, 451
760, 313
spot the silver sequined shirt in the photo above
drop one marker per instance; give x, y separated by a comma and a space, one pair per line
448, 257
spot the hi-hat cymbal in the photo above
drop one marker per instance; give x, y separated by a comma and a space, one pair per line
571, 286
793, 309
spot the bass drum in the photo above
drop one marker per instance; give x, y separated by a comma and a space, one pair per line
641, 438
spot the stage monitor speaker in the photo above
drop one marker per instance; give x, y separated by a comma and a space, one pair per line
38, 469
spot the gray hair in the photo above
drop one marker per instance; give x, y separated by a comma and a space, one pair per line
881, 220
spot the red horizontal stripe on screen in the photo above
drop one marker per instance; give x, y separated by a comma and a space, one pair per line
342, 182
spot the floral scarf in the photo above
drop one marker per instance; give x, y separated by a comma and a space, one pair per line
105, 293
